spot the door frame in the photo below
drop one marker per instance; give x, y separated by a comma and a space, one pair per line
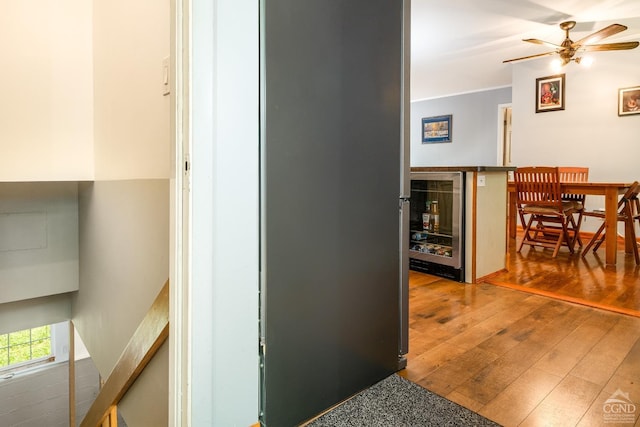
214, 267
502, 108
180, 204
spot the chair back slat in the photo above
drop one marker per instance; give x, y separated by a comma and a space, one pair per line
635, 201
573, 174
538, 185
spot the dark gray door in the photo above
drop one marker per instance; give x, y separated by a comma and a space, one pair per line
330, 159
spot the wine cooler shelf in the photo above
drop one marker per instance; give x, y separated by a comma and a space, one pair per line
431, 243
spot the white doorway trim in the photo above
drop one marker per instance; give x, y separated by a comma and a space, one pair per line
179, 398
501, 134
214, 365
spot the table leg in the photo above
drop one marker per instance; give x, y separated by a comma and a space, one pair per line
611, 225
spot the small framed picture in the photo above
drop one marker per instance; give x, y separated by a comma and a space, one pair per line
629, 101
436, 129
550, 93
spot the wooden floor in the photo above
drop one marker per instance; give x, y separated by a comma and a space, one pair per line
519, 358
585, 280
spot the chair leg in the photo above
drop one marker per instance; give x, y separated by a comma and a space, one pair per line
538, 229
630, 237
558, 244
538, 234
526, 236
576, 228
593, 240
564, 236
571, 242
600, 241
523, 221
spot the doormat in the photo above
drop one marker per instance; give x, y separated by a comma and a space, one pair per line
397, 402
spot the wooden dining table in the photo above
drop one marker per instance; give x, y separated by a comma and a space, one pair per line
610, 190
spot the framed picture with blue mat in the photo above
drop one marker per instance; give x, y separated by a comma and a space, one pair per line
436, 129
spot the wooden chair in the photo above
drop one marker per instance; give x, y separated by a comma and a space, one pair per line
628, 212
575, 174
538, 196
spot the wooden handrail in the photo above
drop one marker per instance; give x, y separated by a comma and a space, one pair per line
143, 345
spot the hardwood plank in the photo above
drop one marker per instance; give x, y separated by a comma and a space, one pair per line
418, 279
565, 405
512, 335
446, 318
459, 369
431, 360
465, 401
567, 353
535, 341
610, 351
630, 366
512, 405
585, 280
502, 319
420, 341
597, 415
516, 357
480, 307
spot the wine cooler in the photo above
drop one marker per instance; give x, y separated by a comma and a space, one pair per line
436, 224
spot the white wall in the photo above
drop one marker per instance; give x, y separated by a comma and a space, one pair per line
130, 40
31, 313
38, 239
53, 53
46, 113
124, 215
82, 100
589, 131
474, 129
40, 397
124, 258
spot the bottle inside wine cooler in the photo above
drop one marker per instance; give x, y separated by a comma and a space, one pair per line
435, 216
426, 217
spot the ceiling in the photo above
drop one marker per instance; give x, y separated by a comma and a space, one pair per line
457, 46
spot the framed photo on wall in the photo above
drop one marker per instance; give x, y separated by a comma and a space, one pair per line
629, 101
550, 93
436, 129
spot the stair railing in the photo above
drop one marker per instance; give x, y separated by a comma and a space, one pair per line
143, 345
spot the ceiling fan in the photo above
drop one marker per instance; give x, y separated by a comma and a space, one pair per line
569, 48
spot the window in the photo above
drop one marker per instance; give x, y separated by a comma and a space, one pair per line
22, 347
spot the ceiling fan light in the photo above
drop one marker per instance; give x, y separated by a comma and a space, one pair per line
585, 61
556, 64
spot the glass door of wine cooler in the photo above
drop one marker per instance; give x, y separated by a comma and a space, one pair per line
436, 243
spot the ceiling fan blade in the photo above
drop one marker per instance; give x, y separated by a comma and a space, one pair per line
542, 42
599, 35
530, 57
610, 46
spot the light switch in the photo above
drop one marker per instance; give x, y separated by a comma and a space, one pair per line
481, 181
166, 87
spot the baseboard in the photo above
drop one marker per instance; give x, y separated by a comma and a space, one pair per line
490, 276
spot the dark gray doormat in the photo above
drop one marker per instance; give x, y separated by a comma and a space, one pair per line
397, 402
